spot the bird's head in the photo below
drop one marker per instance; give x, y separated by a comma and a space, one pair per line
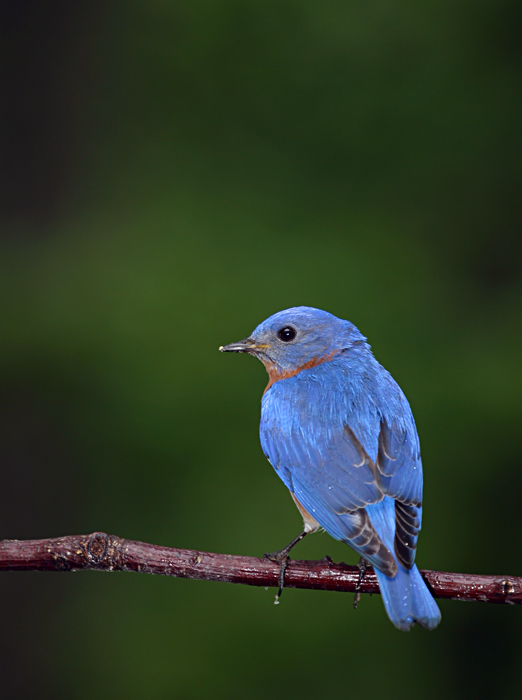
297, 338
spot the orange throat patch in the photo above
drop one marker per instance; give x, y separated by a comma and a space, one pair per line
274, 375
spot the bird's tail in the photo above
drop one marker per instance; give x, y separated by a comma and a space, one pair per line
406, 597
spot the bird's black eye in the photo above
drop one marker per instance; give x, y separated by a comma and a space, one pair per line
286, 334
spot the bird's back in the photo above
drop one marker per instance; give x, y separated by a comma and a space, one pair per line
352, 389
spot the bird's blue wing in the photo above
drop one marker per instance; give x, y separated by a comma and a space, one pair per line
337, 460
308, 441
326, 467
398, 460
399, 471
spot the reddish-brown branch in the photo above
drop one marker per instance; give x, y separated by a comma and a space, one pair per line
110, 553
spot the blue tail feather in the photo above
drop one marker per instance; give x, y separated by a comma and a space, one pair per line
406, 597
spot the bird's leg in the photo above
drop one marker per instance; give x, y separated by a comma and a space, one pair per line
362, 565
281, 557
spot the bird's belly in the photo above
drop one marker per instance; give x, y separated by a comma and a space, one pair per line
310, 524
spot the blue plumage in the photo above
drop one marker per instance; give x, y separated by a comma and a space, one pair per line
340, 434
405, 596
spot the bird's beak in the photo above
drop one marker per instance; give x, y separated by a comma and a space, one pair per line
246, 345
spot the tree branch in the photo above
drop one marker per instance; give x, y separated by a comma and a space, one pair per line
111, 553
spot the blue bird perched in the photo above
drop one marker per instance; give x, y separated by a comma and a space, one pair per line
340, 434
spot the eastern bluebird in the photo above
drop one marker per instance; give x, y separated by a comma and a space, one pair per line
340, 434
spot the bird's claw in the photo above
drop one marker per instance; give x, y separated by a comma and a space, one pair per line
278, 557
282, 559
362, 565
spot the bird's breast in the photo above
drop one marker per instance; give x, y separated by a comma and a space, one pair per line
275, 374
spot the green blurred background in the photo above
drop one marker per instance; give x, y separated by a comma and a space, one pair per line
171, 174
